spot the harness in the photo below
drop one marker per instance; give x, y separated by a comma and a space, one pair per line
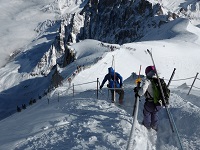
149, 99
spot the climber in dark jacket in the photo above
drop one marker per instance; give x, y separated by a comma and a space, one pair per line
150, 110
115, 80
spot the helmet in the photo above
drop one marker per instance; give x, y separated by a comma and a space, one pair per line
149, 68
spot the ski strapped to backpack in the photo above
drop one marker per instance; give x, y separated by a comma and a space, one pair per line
171, 120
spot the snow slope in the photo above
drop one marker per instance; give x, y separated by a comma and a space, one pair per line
84, 122
184, 8
61, 121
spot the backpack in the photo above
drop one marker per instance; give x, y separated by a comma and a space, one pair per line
157, 95
114, 83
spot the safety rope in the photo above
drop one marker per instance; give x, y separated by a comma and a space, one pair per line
180, 79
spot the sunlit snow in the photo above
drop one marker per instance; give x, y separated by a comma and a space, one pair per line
61, 121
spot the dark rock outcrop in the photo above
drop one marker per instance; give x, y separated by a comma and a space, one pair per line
114, 21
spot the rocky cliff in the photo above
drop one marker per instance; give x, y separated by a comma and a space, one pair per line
114, 21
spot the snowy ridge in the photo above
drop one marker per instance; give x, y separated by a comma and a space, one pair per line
63, 7
100, 125
64, 129
60, 121
82, 113
186, 9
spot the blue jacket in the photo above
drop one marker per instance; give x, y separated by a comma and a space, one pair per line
114, 79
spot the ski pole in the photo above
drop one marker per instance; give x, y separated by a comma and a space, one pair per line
170, 112
131, 137
135, 113
138, 81
113, 65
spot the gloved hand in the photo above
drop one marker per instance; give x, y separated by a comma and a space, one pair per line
137, 95
101, 87
136, 89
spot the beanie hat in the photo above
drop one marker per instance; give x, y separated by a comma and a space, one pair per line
148, 69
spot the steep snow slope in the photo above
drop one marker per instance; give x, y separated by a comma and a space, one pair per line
183, 39
92, 123
83, 122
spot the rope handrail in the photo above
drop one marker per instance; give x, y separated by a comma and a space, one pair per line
196, 87
180, 79
114, 88
85, 83
65, 91
187, 85
99, 83
198, 78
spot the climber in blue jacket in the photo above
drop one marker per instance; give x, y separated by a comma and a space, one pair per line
115, 82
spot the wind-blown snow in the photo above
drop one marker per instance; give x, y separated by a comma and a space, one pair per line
61, 121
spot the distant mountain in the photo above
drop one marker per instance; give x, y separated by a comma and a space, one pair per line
115, 21
189, 9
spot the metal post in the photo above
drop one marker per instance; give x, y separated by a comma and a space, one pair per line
193, 83
113, 65
97, 88
73, 89
58, 96
171, 77
108, 95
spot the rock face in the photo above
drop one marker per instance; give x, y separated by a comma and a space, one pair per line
114, 21
110, 21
